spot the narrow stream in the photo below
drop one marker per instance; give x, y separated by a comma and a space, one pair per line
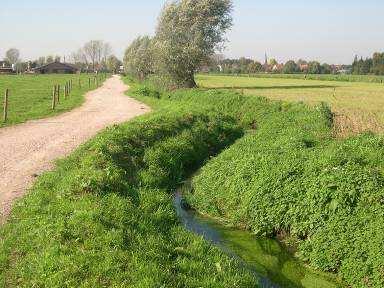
266, 258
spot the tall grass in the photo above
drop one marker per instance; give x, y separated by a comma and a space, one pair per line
95, 222
289, 176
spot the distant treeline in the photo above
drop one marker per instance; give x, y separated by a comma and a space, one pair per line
218, 64
374, 65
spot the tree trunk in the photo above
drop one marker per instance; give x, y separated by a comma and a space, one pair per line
190, 82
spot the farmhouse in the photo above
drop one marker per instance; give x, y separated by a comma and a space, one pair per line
56, 68
5, 68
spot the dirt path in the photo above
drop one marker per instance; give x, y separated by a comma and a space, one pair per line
27, 150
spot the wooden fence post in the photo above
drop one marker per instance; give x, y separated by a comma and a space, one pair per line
79, 83
54, 98
89, 83
58, 91
6, 95
57, 94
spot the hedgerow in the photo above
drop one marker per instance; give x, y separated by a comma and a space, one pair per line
91, 223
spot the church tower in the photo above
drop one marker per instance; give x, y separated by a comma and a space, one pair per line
266, 66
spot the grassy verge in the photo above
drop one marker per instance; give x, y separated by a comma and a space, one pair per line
289, 177
31, 95
104, 217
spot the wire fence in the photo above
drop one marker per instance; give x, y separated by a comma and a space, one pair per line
54, 92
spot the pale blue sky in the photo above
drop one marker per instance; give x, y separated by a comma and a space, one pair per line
325, 30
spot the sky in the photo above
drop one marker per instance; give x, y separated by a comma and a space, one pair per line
332, 31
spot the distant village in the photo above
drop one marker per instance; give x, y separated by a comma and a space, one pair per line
80, 62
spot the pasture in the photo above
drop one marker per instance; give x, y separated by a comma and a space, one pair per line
358, 106
30, 96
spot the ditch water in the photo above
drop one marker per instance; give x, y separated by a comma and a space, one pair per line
266, 258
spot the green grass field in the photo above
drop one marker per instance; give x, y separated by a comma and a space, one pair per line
31, 95
358, 106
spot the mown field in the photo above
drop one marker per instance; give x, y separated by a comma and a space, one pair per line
104, 216
358, 106
322, 77
31, 95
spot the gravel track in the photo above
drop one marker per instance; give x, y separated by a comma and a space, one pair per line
29, 149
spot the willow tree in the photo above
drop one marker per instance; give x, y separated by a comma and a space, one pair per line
188, 33
138, 58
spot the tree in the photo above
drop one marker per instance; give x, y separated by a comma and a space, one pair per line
325, 69
138, 58
272, 62
314, 67
255, 67
113, 64
40, 61
50, 59
378, 64
188, 33
12, 56
106, 52
291, 67
80, 59
95, 51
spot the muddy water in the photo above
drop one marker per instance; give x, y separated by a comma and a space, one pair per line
271, 263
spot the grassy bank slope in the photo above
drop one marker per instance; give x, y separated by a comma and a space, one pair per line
288, 176
104, 217
31, 95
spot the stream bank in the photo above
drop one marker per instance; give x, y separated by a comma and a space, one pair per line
266, 258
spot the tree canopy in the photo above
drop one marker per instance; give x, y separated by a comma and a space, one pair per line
139, 57
291, 67
12, 56
188, 33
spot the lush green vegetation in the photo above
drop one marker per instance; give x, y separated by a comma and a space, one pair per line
357, 106
31, 95
104, 217
290, 177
